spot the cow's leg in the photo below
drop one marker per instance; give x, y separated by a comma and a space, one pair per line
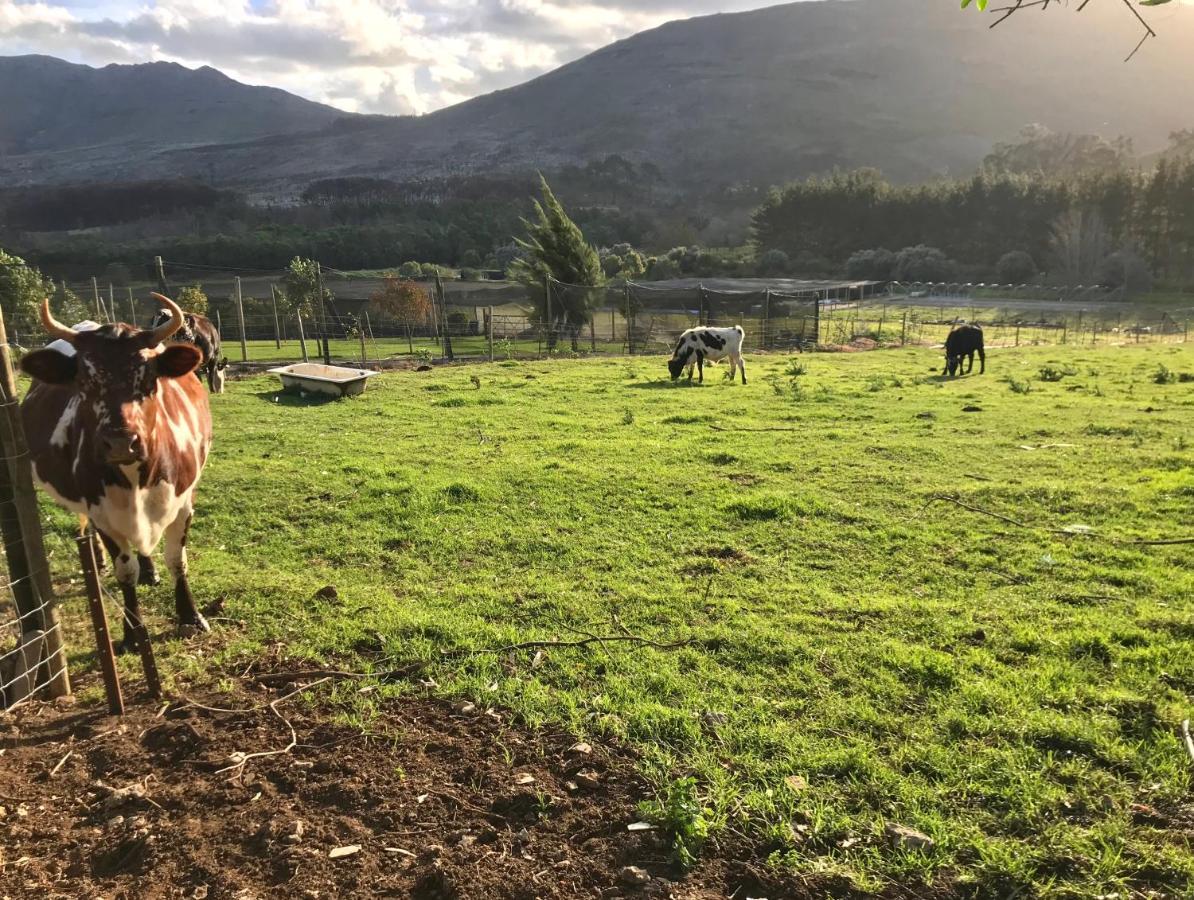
742, 367
982, 361
127, 566
149, 572
970, 362
701, 367
691, 369
176, 562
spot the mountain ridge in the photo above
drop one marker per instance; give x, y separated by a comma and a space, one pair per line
918, 90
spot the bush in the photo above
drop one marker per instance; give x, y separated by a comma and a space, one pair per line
410, 269
921, 263
470, 275
1125, 269
871, 265
774, 262
1015, 267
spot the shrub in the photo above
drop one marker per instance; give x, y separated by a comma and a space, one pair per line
871, 265
1015, 267
1019, 387
921, 263
774, 262
1164, 375
1125, 269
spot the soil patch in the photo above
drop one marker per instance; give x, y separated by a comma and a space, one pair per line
438, 800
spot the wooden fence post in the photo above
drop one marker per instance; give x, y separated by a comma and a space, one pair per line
361, 334
629, 322
240, 315
1017, 334
547, 308
99, 304
99, 622
132, 309
489, 330
273, 299
766, 318
904, 330
302, 338
37, 603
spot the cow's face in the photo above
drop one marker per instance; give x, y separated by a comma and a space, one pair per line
952, 364
679, 360
115, 369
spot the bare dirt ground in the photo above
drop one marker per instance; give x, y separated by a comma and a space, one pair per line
434, 801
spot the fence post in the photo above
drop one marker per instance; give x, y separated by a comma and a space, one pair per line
159, 270
904, 329
443, 305
302, 339
547, 308
99, 304
629, 323
99, 622
25, 546
132, 309
701, 315
489, 330
219, 326
1017, 334
767, 318
361, 334
273, 299
240, 315
817, 320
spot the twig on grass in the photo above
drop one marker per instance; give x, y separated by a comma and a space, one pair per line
1165, 542
738, 428
1186, 737
583, 642
337, 675
239, 758
62, 762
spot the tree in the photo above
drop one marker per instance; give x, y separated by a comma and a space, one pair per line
557, 250
1015, 267
871, 265
623, 261
192, 299
22, 289
1016, 6
921, 263
1078, 247
410, 269
300, 286
402, 299
774, 262
1125, 269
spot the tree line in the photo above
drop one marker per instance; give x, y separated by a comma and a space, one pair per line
1069, 227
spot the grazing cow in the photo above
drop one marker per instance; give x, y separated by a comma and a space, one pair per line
119, 432
964, 340
200, 331
713, 344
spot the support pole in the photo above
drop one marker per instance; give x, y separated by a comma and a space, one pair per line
273, 299
323, 315
132, 309
99, 622
99, 304
302, 339
29, 549
361, 334
547, 300
240, 315
111, 303
767, 319
159, 270
489, 330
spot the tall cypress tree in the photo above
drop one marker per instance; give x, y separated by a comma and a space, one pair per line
556, 248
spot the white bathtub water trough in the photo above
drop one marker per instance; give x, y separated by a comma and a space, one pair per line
316, 378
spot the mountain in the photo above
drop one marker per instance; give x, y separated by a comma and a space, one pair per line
917, 88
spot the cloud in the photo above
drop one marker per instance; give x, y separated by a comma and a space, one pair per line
386, 56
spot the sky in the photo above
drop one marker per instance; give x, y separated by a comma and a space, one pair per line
374, 56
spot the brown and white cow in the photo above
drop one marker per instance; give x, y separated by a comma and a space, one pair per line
119, 432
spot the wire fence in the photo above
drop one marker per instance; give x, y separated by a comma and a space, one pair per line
501, 320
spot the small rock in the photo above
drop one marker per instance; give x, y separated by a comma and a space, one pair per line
424, 368
328, 592
581, 748
903, 837
434, 850
346, 850
588, 779
200, 893
464, 708
116, 821
634, 875
796, 783
709, 717
926, 415
524, 778
296, 833
640, 826
523, 837
972, 408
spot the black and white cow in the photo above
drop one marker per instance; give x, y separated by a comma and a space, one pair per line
201, 332
964, 341
697, 345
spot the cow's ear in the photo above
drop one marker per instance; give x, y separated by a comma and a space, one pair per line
177, 360
50, 366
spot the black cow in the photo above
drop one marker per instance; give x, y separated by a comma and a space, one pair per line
964, 341
200, 331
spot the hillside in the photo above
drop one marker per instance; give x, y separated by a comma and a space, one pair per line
918, 89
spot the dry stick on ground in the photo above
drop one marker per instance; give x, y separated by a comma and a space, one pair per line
1166, 542
338, 675
584, 642
239, 759
1186, 736
775, 428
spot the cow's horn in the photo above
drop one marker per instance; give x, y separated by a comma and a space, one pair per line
54, 328
166, 329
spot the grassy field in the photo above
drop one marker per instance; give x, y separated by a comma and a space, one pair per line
856, 653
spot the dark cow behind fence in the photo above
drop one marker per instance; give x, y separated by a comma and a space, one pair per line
697, 345
964, 341
200, 331
119, 432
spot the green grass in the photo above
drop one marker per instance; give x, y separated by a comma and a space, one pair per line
1009, 691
